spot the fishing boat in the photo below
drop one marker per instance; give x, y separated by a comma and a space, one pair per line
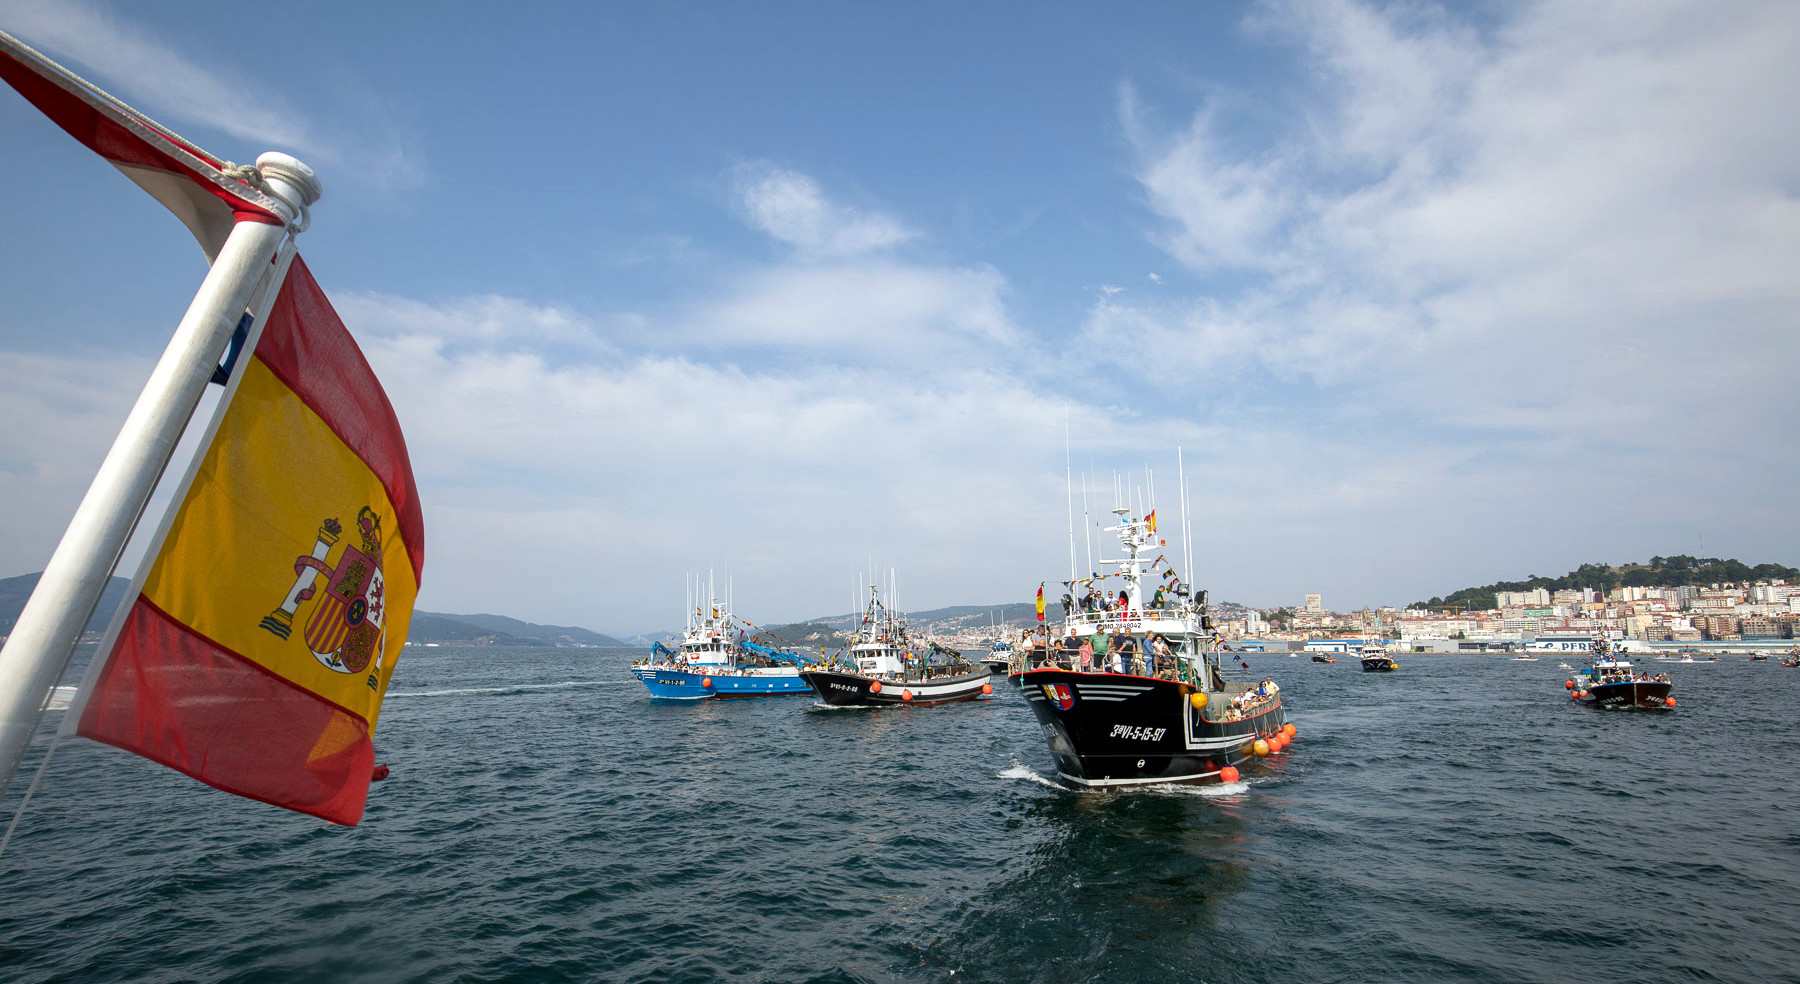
1322, 658
884, 665
1610, 682
999, 657
1376, 659
1157, 707
1526, 656
1000, 654
720, 655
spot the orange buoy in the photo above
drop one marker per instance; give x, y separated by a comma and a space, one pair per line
906, 695
875, 687
379, 773
1569, 683
1259, 748
1292, 732
1288, 729
1669, 701
987, 688
706, 682
1197, 701
1228, 774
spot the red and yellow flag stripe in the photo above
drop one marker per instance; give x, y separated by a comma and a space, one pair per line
269, 624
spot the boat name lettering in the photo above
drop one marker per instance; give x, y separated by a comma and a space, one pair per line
843, 686
1138, 733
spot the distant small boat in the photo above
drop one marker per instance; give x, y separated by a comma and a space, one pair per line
1375, 659
999, 657
1526, 656
1320, 658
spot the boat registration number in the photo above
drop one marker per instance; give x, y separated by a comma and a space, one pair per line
1130, 733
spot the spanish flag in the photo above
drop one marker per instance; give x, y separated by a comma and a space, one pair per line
257, 652
1151, 519
1040, 601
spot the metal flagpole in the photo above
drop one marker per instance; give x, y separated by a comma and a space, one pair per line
45, 634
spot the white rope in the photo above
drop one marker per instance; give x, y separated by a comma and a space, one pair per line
251, 175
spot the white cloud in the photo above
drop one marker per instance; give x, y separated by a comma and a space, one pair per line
1521, 207
557, 485
365, 138
1543, 248
906, 312
145, 69
792, 208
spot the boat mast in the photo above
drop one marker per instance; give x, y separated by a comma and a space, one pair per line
1087, 524
1069, 494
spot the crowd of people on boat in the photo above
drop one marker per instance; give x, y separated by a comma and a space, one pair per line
1627, 676
1100, 652
1170, 595
1252, 702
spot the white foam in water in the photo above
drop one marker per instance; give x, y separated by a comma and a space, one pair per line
60, 698
1025, 772
516, 688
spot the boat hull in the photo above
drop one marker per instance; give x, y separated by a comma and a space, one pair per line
841, 689
667, 684
1111, 729
1632, 694
1379, 664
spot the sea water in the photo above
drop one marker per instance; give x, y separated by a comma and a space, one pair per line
1459, 820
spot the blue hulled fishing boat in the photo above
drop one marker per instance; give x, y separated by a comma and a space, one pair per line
720, 655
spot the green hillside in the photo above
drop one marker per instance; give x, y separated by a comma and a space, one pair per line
1660, 572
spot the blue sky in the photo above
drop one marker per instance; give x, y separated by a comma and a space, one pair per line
1428, 295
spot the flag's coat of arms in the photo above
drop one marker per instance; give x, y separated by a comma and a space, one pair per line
1060, 694
345, 629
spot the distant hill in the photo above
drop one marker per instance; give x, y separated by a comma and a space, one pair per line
15, 590
482, 630
1660, 572
499, 630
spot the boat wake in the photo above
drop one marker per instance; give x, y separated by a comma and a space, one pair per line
60, 698
514, 689
1025, 772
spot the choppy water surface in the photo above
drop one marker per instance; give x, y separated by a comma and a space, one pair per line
1457, 821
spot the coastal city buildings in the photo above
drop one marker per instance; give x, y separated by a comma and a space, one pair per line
1727, 612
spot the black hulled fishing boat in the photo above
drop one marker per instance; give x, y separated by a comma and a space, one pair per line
1376, 659
1610, 682
1157, 706
884, 665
